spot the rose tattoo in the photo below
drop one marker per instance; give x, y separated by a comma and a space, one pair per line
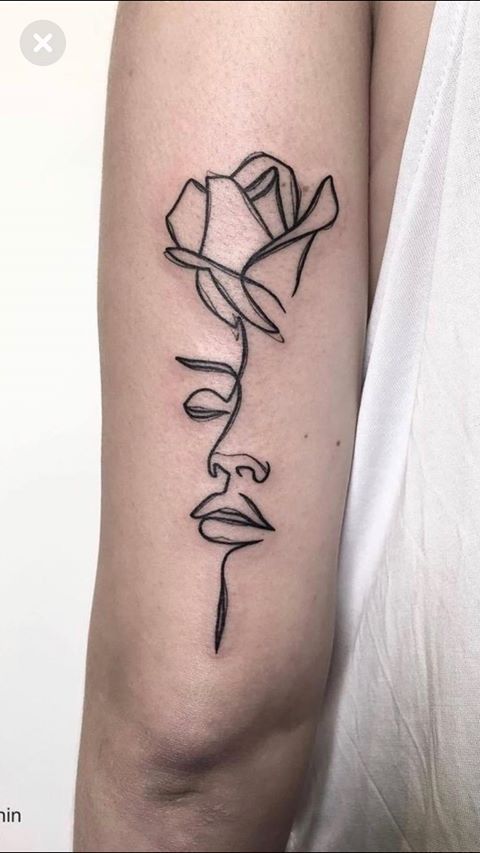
247, 236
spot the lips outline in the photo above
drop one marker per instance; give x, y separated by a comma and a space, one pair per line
231, 515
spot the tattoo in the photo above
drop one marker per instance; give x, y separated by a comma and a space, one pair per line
247, 236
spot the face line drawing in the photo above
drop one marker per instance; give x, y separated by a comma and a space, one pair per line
223, 515
253, 214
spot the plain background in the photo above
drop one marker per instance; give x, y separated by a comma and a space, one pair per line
51, 145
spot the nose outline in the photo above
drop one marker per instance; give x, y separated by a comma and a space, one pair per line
236, 464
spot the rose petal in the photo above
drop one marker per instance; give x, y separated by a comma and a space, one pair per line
186, 258
186, 220
265, 196
212, 298
320, 214
254, 168
237, 295
322, 210
225, 293
234, 229
280, 271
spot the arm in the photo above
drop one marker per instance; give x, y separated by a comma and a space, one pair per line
212, 620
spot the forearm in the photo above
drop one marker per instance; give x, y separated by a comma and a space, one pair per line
213, 612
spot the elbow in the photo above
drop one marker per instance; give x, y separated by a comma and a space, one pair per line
159, 726
160, 757
179, 752
160, 745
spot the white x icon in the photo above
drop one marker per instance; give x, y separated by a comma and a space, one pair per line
43, 43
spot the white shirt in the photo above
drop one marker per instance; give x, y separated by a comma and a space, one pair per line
397, 759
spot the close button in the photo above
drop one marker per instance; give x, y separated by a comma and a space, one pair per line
43, 42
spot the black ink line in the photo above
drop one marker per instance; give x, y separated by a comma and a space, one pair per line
207, 265
206, 365
301, 263
281, 243
294, 189
270, 293
255, 509
206, 299
255, 213
273, 330
203, 413
262, 181
237, 389
222, 606
278, 196
264, 466
170, 227
267, 186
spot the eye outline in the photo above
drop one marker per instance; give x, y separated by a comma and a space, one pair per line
204, 413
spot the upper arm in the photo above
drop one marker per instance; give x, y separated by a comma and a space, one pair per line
211, 634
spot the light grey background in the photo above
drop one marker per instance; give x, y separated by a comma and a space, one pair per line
51, 137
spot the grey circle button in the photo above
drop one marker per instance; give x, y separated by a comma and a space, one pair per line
43, 42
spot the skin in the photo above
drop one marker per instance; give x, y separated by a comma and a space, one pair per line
182, 748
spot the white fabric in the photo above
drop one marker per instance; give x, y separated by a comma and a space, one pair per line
397, 760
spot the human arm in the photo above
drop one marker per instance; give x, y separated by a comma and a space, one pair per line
186, 746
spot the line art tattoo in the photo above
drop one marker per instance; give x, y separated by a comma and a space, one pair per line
246, 236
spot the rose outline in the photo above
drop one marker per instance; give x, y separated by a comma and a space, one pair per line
227, 228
